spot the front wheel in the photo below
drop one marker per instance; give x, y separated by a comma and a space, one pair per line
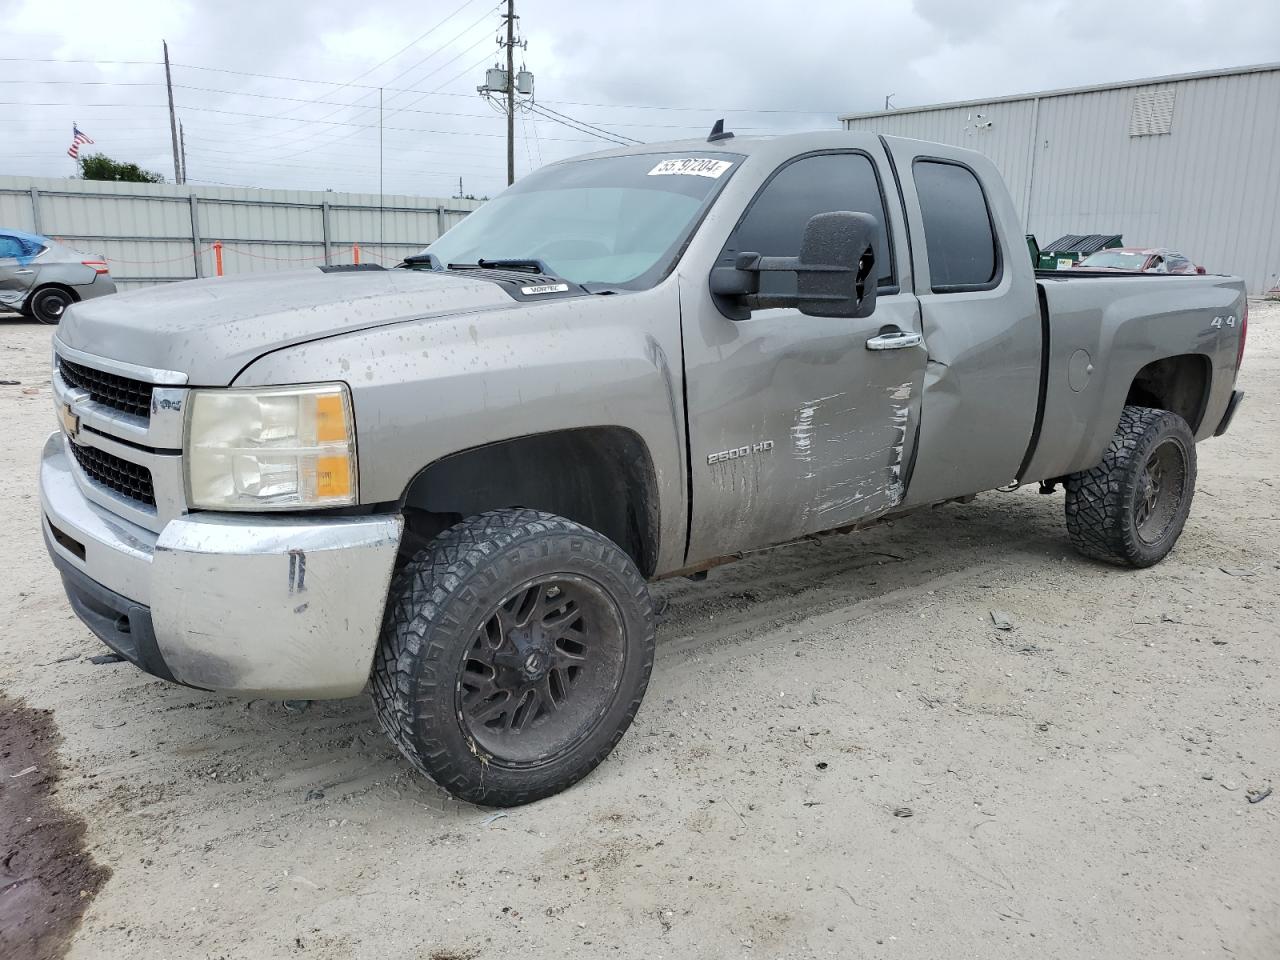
48, 304
1131, 507
515, 651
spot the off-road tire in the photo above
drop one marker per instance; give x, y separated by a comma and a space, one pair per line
48, 304
438, 601
1102, 504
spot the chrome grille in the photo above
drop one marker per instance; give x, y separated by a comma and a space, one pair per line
109, 389
127, 479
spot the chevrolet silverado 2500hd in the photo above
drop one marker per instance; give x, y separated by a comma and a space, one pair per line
451, 481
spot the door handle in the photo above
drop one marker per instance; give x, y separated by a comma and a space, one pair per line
23, 273
894, 340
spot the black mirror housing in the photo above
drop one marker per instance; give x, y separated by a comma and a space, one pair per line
837, 275
835, 272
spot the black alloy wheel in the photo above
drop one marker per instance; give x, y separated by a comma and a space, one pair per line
515, 651
543, 668
1130, 509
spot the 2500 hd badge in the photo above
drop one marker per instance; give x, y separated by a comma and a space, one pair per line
737, 453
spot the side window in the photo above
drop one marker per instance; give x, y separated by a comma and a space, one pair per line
10, 248
774, 224
958, 232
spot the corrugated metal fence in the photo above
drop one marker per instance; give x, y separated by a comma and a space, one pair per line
154, 233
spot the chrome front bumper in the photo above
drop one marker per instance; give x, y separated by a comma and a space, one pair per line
287, 607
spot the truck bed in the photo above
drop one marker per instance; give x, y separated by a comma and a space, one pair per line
1103, 329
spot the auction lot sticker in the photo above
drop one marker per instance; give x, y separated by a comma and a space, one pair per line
691, 167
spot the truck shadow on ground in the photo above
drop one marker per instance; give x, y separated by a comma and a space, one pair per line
216, 745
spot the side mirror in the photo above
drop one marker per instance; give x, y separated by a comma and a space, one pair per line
835, 272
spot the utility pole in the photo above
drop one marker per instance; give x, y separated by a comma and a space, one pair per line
173, 123
507, 83
182, 150
511, 92
381, 204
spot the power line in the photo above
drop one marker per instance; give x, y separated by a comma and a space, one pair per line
389, 89
717, 110
465, 30
287, 79
545, 109
271, 96
465, 70
352, 82
261, 116
353, 103
89, 83
308, 137
564, 123
533, 121
408, 108
380, 90
113, 63
412, 43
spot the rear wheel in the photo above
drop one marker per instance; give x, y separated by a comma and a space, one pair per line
48, 304
515, 652
1131, 508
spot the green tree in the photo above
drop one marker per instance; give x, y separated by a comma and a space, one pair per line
98, 166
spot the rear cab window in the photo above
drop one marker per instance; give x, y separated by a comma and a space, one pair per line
959, 232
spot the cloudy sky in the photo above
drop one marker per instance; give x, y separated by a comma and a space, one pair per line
278, 93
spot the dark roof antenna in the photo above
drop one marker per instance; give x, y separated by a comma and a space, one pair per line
718, 132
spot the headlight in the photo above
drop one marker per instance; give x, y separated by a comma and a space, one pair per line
280, 448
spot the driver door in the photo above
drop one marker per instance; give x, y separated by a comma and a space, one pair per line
799, 424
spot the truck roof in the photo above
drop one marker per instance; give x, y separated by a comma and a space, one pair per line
777, 146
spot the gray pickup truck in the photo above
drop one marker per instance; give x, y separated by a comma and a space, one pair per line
450, 481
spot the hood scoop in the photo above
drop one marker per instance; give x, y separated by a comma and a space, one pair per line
350, 267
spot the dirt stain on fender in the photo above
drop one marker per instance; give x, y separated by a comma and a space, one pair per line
47, 878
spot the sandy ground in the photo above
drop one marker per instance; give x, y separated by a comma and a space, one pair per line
1078, 785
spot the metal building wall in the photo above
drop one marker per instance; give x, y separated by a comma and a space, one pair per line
1209, 188
152, 233
1006, 140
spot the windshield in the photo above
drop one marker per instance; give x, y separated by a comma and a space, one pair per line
1118, 261
616, 220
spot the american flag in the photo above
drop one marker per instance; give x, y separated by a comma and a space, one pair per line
77, 138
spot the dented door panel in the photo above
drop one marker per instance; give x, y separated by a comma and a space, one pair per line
796, 426
982, 386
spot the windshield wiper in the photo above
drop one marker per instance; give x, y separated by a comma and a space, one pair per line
529, 264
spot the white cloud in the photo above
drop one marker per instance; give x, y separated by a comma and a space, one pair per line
594, 61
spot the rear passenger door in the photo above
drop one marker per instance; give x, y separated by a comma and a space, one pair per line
795, 424
981, 320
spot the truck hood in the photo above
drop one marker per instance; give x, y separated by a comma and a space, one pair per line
211, 329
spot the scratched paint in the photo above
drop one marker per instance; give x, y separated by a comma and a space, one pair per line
739, 482
868, 478
802, 431
901, 415
297, 572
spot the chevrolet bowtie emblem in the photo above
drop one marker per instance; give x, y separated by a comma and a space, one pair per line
70, 422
